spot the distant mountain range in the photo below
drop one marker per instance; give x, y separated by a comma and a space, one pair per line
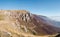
54, 20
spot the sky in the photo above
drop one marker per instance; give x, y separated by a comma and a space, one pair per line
40, 7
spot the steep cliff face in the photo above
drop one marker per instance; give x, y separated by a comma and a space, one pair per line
20, 23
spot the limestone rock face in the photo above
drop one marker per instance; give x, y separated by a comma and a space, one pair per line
21, 23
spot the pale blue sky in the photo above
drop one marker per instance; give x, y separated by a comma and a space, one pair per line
40, 7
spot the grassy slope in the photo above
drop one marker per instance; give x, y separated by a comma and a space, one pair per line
11, 29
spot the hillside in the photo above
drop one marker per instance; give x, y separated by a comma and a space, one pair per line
21, 23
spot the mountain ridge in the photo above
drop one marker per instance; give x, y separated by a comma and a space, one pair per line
24, 23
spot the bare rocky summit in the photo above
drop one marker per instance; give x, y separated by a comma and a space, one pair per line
21, 23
